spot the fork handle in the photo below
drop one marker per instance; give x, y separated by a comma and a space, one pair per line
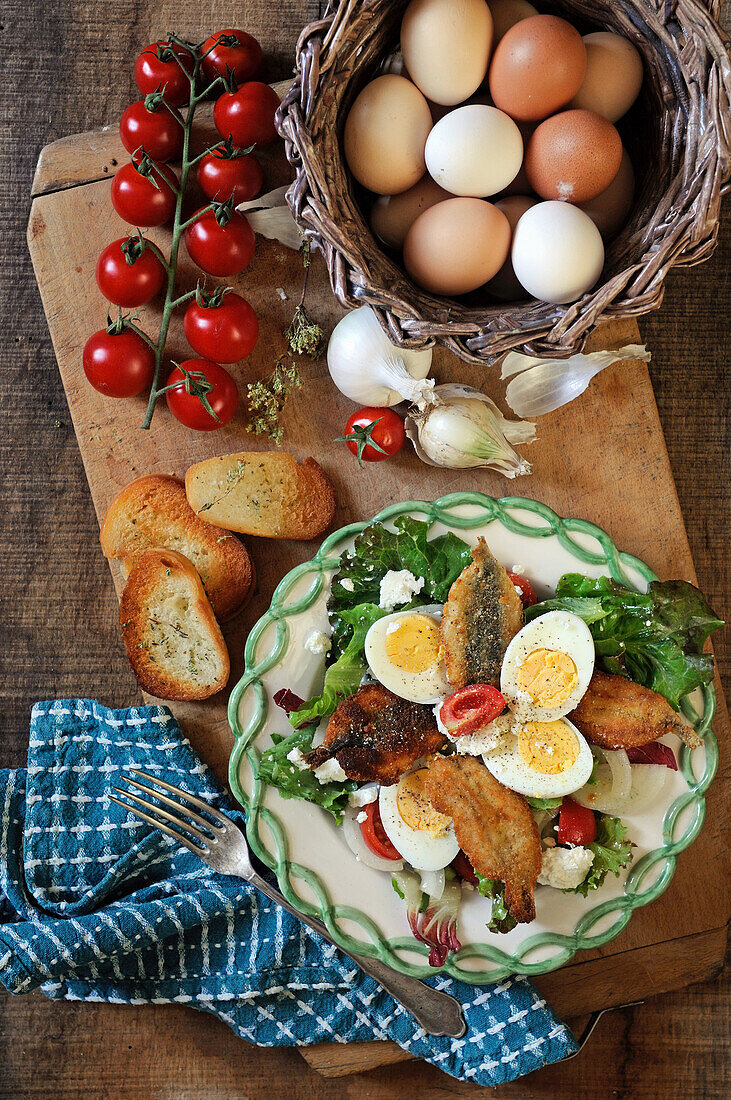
438, 1013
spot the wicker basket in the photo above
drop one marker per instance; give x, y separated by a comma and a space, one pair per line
678, 135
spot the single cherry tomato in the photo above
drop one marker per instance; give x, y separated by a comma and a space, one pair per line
150, 125
221, 242
374, 434
129, 273
525, 589
221, 326
247, 115
471, 709
118, 362
235, 50
157, 70
375, 835
464, 868
144, 195
576, 824
204, 396
228, 171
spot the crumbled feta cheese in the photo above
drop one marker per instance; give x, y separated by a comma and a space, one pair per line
347, 584
398, 586
330, 772
492, 737
565, 868
361, 817
317, 642
363, 797
296, 758
518, 569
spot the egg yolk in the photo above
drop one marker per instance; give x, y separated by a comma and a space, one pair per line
414, 644
415, 808
548, 747
548, 676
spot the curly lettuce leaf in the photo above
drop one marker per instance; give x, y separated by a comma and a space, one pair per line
277, 771
655, 638
544, 803
611, 851
501, 919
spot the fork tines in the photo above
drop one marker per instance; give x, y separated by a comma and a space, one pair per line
185, 825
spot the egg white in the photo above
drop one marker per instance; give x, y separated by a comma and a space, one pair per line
429, 686
556, 630
420, 848
509, 768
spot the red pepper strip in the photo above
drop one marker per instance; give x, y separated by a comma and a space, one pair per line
576, 824
471, 708
654, 753
525, 589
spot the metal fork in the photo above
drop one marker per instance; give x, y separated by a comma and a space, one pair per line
221, 844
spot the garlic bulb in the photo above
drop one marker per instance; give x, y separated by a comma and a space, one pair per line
462, 429
270, 216
543, 385
368, 368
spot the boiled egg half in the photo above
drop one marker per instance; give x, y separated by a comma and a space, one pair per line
405, 653
424, 837
542, 759
547, 667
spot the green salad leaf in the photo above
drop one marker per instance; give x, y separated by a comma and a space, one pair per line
544, 803
654, 638
500, 918
611, 851
355, 594
277, 771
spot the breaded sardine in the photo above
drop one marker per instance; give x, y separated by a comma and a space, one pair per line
482, 613
494, 826
617, 713
375, 735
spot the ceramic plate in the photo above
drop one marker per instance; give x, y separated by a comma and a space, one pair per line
302, 844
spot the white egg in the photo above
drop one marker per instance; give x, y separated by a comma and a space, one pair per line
432, 844
557, 252
543, 759
474, 151
404, 653
547, 667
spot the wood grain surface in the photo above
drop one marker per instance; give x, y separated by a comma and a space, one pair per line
56, 597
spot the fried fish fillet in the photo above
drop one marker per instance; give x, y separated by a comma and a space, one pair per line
482, 613
375, 735
494, 826
617, 713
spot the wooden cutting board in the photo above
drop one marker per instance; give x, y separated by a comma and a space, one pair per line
602, 458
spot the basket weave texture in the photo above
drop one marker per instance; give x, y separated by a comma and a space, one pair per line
678, 136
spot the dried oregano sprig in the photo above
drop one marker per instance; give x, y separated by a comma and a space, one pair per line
304, 336
267, 398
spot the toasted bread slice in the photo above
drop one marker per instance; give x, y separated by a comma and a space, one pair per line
154, 511
173, 641
262, 493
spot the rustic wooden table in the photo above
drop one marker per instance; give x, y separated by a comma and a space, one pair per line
67, 68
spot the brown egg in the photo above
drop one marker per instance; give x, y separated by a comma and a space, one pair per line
573, 156
505, 284
457, 245
537, 68
613, 75
385, 134
393, 215
610, 210
505, 14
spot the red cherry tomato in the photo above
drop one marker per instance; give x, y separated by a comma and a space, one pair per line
141, 199
375, 835
471, 708
576, 824
155, 130
525, 589
374, 434
118, 364
220, 249
204, 379
247, 115
243, 56
224, 329
129, 276
223, 173
156, 69
464, 868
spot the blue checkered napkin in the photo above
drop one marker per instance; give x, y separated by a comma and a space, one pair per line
96, 906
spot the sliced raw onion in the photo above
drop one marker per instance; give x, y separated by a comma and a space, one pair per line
613, 784
354, 839
432, 883
648, 781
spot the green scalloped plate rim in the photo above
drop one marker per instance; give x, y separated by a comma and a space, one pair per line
647, 880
